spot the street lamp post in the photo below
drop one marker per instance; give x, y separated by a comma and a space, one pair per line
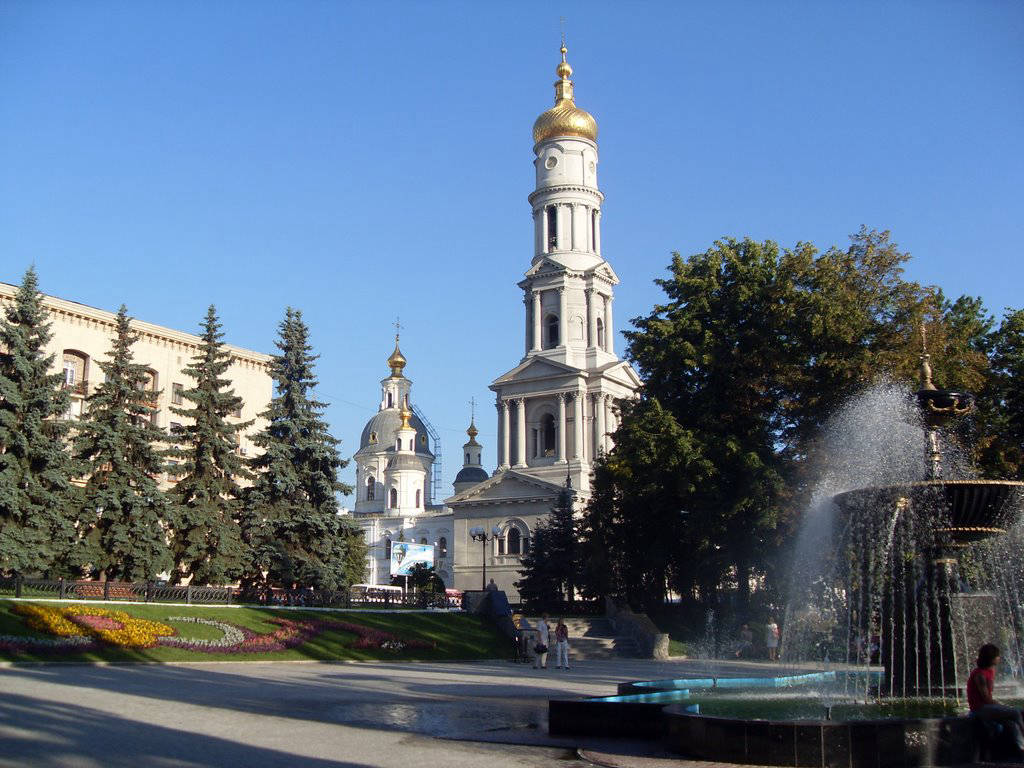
479, 534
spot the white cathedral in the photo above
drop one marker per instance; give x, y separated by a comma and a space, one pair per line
556, 408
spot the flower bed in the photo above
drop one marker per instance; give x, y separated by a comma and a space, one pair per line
77, 628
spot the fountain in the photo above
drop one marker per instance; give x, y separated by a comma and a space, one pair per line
902, 550
903, 569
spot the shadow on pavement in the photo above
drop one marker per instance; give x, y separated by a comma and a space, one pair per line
38, 733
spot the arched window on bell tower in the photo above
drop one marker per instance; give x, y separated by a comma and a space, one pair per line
393, 500
600, 333
547, 425
551, 331
552, 213
371, 487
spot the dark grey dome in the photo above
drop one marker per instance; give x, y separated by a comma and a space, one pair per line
406, 461
471, 475
383, 426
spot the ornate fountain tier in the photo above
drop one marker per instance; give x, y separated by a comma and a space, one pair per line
965, 511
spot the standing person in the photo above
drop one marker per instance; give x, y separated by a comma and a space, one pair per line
981, 702
771, 639
525, 633
540, 661
561, 645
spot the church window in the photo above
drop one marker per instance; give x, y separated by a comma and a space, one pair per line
467, 458
371, 488
548, 434
387, 548
419, 499
552, 328
600, 333
442, 547
390, 400
394, 499
373, 437
552, 213
514, 541
423, 439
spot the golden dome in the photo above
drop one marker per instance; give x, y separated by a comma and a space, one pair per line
406, 414
472, 432
397, 360
565, 118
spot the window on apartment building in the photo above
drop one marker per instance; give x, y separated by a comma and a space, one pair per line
177, 394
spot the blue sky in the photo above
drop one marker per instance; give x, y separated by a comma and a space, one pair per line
362, 161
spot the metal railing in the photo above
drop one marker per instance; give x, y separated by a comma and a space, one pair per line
149, 591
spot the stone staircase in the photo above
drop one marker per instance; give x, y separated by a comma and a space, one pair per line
592, 639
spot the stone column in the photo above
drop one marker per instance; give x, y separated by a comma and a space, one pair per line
561, 427
597, 231
536, 320
591, 319
506, 436
577, 447
599, 427
578, 236
609, 334
563, 317
526, 315
564, 224
521, 432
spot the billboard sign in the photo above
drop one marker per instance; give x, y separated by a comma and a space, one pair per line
404, 555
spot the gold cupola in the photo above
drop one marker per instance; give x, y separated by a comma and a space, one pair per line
397, 361
565, 118
472, 432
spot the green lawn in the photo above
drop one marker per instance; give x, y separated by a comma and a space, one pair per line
451, 636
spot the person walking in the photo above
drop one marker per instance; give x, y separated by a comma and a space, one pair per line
540, 660
561, 645
771, 639
981, 701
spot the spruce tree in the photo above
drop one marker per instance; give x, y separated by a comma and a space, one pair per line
551, 566
206, 539
124, 511
37, 532
291, 523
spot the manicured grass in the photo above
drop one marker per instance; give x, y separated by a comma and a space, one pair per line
451, 636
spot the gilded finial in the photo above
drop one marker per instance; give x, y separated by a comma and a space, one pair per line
926, 368
472, 432
397, 360
406, 414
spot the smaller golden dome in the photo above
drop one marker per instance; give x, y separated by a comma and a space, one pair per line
472, 431
397, 360
565, 118
406, 414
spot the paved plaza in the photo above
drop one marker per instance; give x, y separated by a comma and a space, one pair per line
490, 714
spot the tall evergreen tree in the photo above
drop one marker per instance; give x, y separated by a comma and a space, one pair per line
551, 567
37, 532
206, 539
291, 523
124, 511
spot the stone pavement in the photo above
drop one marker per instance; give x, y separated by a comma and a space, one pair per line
319, 715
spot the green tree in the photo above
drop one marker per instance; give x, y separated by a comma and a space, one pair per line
551, 566
291, 523
206, 539
1001, 404
646, 528
37, 532
124, 513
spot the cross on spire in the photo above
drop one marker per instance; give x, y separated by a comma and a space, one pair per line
472, 409
398, 326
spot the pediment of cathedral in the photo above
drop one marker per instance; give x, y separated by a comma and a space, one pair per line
536, 368
621, 372
507, 486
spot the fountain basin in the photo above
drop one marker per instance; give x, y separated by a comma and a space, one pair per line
966, 510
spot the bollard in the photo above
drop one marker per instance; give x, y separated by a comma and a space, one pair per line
63, 589
106, 589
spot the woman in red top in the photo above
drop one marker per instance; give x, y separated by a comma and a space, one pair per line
980, 699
